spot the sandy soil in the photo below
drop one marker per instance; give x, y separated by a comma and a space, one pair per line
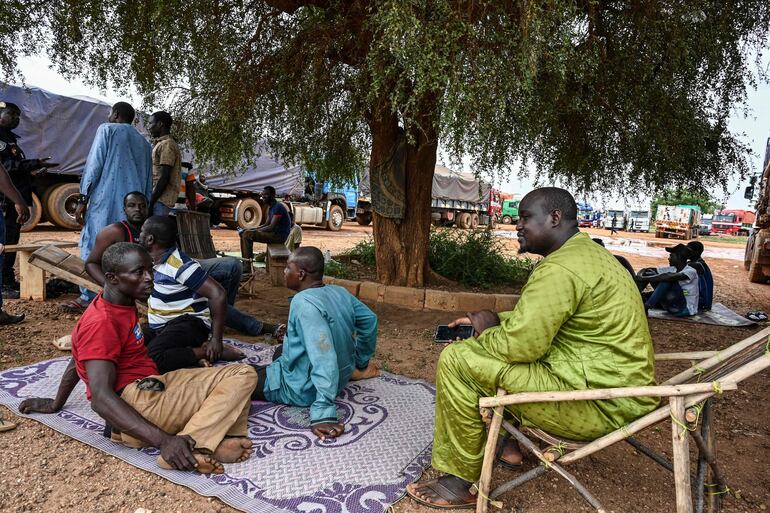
44, 471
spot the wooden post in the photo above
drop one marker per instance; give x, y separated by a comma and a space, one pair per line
681, 458
31, 278
490, 451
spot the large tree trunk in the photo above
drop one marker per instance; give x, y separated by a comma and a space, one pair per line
401, 245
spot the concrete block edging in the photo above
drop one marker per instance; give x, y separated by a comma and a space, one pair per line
425, 299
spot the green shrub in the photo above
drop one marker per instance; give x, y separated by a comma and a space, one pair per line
337, 270
363, 251
475, 259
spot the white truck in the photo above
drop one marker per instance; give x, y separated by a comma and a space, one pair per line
618, 215
638, 221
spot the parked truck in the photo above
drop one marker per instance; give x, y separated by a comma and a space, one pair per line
677, 221
639, 221
64, 127
463, 200
733, 222
509, 214
757, 256
618, 215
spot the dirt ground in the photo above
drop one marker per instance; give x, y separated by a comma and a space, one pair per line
44, 471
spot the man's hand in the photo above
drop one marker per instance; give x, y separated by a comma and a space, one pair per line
461, 321
214, 349
38, 405
22, 212
80, 214
326, 430
177, 451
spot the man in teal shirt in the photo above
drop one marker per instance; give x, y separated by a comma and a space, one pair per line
330, 339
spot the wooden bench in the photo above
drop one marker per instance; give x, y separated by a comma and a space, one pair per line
31, 278
277, 256
54, 260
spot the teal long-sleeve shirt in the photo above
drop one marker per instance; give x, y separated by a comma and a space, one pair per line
329, 334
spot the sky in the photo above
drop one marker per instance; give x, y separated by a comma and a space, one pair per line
753, 129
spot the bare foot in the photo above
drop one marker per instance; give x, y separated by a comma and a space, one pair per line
206, 464
231, 354
371, 371
511, 454
233, 450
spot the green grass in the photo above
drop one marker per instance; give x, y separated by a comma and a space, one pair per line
473, 258
337, 270
729, 239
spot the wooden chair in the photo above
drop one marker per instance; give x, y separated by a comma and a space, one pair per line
53, 260
689, 396
194, 234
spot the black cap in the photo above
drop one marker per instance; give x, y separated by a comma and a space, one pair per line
682, 250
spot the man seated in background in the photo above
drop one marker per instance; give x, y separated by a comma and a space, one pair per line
187, 309
294, 240
274, 232
330, 339
676, 286
705, 278
196, 417
225, 270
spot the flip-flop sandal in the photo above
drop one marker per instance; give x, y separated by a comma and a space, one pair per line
63, 343
762, 316
444, 493
6, 425
753, 316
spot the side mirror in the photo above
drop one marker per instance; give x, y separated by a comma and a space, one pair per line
749, 193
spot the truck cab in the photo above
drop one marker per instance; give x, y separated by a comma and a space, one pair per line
509, 213
620, 219
639, 221
732, 222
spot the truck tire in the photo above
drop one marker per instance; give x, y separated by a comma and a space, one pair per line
364, 219
336, 218
61, 204
748, 255
249, 214
463, 220
756, 275
507, 220
474, 223
36, 213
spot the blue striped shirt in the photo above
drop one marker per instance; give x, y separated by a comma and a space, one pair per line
176, 280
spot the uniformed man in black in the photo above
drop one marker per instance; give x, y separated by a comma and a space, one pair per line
20, 170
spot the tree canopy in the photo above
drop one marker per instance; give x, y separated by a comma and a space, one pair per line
598, 93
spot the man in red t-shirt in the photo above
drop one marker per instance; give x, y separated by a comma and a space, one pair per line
186, 413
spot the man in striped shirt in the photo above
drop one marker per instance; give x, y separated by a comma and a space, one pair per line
188, 309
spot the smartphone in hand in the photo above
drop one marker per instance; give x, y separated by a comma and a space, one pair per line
445, 334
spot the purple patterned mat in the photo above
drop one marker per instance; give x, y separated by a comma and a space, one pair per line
386, 445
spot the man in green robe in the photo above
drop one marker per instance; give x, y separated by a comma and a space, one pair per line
580, 323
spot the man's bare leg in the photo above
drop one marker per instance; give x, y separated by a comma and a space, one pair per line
233, 450
206, 464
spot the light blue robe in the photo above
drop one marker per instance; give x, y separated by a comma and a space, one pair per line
329, 334
120, 161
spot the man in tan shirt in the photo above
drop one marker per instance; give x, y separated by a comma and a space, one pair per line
166, 165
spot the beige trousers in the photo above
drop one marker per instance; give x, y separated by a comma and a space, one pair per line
205, 404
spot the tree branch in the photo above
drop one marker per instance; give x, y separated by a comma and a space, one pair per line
291, 6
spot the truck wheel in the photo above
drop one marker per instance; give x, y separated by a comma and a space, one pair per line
749, 253
463, 220
364, 219
474, 221
755, 268
336, 218
36, 212
249, 213
61, 205
507, 220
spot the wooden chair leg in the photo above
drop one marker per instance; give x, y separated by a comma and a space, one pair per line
681, 450
32, 279
490, 450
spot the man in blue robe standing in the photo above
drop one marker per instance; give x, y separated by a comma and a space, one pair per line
120, 161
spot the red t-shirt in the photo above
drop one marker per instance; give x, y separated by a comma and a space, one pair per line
111, 332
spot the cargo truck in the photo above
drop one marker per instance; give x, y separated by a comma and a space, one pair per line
677, 221
639, 221
462, 200
64, 127
732, 222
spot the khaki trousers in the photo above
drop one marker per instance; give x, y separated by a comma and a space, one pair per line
205, 404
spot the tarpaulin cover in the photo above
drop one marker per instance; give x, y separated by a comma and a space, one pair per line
64, 127
56, 126
451, 185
